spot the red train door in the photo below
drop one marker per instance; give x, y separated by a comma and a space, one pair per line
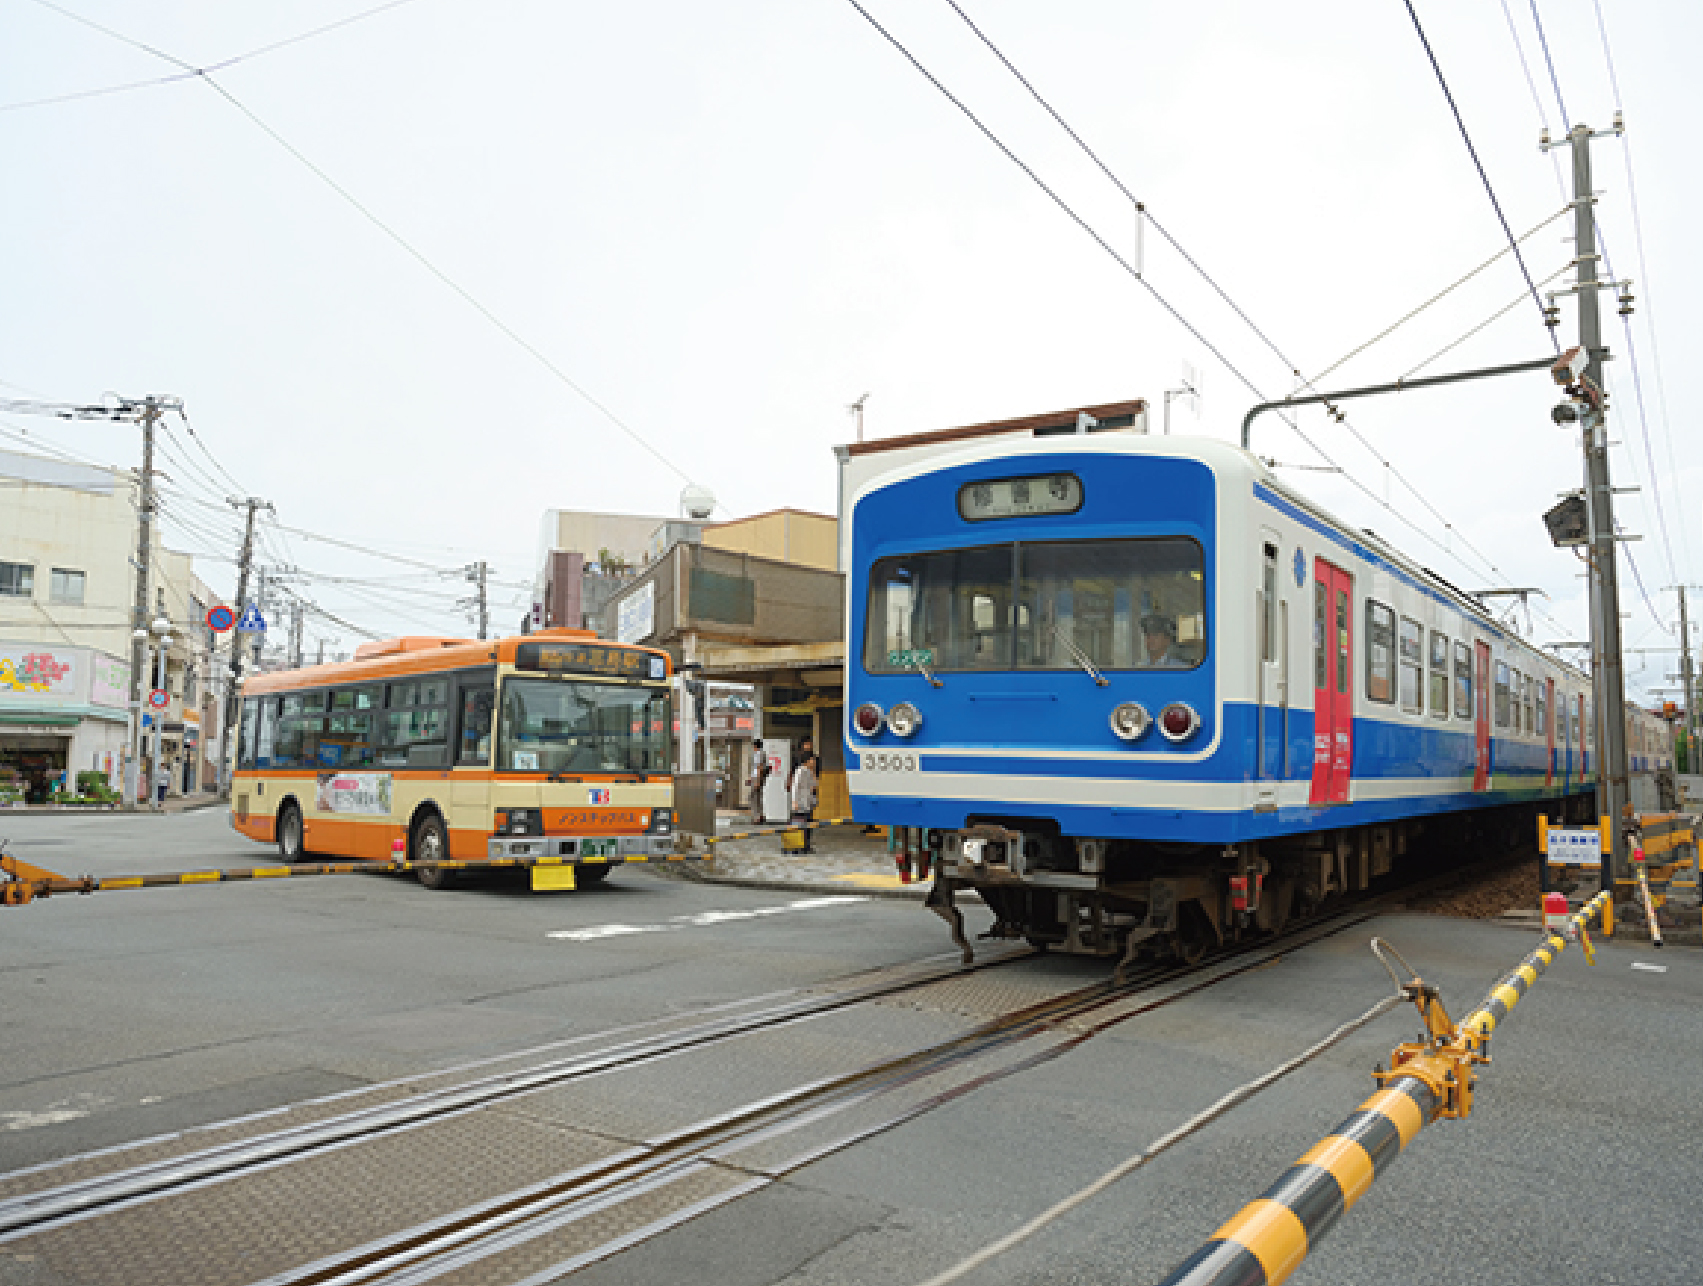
1549, 727
1333, 688
1481, 715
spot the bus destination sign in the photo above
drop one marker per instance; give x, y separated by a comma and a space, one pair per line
590, 658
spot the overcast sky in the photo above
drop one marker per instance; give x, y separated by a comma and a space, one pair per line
426, 274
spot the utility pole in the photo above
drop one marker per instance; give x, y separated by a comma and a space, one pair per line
295, 632
1585, 384
1688, 704
233, 695
142, 611
856, 409
478, 573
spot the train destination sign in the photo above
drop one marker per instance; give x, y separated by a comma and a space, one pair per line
1047, 493
589, 658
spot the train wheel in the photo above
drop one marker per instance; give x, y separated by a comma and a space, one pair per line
1194, 934
290, 833
431, 844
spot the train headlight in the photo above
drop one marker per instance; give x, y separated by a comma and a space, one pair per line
1130, 720
1178, 721
868, 718
904, 719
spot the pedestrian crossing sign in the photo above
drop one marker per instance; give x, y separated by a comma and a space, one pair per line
251, 621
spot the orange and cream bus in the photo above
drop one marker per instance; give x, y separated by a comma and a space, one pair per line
554, 747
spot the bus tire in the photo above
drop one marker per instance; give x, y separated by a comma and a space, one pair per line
590, 873
431, 844
291, 846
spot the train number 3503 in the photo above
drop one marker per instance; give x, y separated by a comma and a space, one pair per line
877, 762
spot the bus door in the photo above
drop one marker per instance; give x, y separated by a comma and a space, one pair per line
1272, 648
1333, 695
473, 717
1481, 716
1549, 728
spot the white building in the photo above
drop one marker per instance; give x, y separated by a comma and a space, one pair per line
67, 606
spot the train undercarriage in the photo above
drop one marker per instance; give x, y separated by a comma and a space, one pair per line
1133, 899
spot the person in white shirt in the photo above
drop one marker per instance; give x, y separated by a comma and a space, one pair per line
804, 797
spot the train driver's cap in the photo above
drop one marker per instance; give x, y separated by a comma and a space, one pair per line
1155, 624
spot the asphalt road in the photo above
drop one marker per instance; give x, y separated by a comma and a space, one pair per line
128, 1014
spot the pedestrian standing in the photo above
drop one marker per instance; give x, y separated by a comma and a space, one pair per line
804, 798
162, 779
760, 769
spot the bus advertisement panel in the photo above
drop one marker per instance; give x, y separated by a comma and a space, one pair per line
555, 746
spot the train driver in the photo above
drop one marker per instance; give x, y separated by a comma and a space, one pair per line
1159, 643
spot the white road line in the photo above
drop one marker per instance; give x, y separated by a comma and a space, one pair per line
702, 920
1649, 968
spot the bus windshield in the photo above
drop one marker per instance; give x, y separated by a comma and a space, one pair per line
1120, 604
569, 726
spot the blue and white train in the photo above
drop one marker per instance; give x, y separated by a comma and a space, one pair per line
1140, 694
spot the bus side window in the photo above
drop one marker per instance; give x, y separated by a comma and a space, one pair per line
473, 741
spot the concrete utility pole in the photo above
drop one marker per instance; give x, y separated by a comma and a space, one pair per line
478, 573
233, 695
295, 632
142, 611
1687, 704
1586, 386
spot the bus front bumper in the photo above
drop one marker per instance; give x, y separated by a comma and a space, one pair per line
588, 848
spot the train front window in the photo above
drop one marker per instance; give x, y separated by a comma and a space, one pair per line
565, 726
1119, 604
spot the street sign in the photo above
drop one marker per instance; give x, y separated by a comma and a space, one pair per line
252, 621
220, 619
1575, 847
159, 698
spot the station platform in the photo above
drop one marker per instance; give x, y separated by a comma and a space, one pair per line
843, 859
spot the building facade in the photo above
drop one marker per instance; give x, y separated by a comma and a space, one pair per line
68, 536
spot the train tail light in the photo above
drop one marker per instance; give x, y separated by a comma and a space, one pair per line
869, 718
1178, 721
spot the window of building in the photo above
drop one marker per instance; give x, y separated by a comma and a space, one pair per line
1412, 663
1380, 652
17, 580
65, 586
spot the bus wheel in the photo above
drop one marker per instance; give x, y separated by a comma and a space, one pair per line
431, 845
290, 833
590, 873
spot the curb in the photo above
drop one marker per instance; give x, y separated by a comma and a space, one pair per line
680, 871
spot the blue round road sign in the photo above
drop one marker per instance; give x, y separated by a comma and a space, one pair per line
220, 619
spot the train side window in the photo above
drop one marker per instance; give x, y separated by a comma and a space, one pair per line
1503, 701
1380, 652
1321, 631
1542, 709
1412, 664
1439, 675
1530, 724
1268, 605
1463, 681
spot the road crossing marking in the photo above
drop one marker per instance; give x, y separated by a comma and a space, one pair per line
701, 919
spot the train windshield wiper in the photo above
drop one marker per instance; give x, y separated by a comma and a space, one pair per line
1079, 654
915, 661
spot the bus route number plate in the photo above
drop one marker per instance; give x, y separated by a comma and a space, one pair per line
879, 761
597, 848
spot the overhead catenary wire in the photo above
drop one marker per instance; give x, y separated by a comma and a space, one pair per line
1382, 459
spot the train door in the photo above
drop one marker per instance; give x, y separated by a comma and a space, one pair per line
1481, 716
1271, 735
1549, 728
1333, 688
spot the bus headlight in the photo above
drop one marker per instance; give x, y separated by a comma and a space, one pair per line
1130, 720
904, 719
868, 719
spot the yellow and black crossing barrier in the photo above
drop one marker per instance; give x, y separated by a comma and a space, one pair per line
21, 883
1269, 1238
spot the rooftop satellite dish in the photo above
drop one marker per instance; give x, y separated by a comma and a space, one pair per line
697, 503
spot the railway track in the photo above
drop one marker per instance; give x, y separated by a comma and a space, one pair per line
526, 1169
